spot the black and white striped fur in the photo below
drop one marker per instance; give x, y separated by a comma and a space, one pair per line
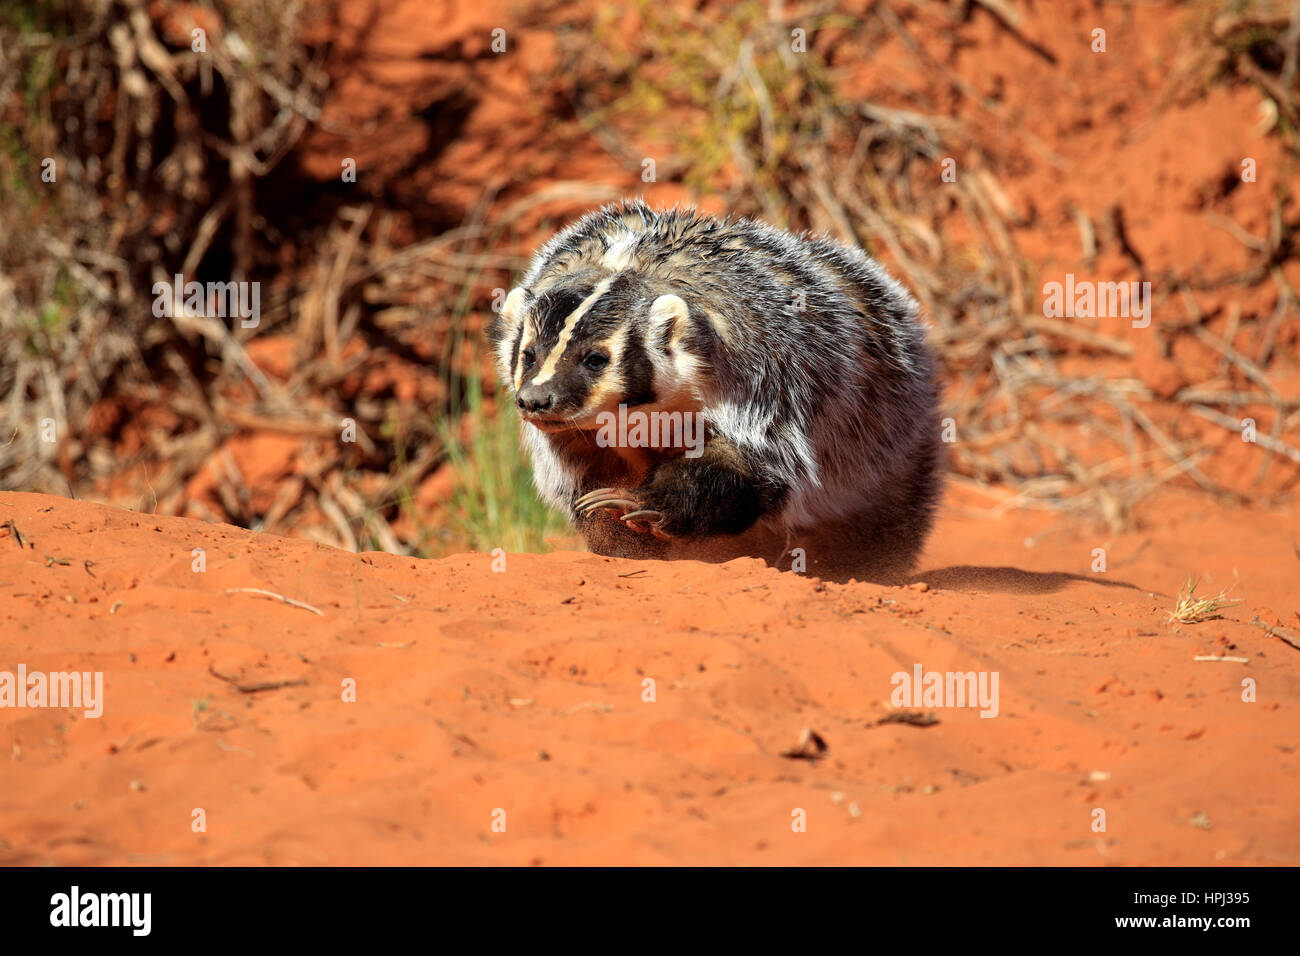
803, 357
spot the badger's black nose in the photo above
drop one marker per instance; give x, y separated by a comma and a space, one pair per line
533, 399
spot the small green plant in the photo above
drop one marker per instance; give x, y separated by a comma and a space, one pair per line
1191, 609
494, 504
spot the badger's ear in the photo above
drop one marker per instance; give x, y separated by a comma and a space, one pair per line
668, 318
512, 311
504, 327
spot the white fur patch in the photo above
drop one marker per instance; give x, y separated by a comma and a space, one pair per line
719, 325
551, 479
668, 312
677, 371
619, 255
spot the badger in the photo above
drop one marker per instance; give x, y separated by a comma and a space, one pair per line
790, 373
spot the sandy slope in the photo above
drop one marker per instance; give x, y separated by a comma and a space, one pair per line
522, 691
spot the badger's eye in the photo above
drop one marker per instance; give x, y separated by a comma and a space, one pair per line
595, 361
529, 358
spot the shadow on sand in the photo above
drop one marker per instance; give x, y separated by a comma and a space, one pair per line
1009, 580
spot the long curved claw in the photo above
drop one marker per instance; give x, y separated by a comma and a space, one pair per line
609, 501
622, 505
578, 505
634, 521
631, 519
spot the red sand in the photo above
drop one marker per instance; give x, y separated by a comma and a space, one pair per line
522, 691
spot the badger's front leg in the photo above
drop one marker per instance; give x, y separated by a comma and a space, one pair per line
713, 494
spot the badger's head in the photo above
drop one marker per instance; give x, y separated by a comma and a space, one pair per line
590, 342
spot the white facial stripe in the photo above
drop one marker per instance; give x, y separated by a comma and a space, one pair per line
571, 323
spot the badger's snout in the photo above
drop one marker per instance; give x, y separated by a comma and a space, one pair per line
535, 399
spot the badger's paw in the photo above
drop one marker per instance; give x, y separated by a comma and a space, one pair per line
624, 506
